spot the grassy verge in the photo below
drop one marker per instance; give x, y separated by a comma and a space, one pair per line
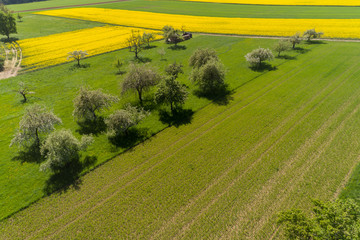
286, 135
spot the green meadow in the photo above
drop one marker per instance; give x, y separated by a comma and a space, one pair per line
223, 168
283, 137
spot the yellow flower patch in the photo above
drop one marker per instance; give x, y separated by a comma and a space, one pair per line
51, 50
333, 28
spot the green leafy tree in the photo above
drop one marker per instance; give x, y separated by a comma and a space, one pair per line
140, 78
61, 148
172, 35
77, 55
89, 102
174, 69
201, 56
282, 46
295, 39
120, 121
258, 56
135, 42
311, 33
336, 220
148, 37
7, 24
171, 92
23, 90
36, 121
210, 77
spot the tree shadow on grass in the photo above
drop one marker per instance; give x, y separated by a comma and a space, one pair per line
92, 127
69, 175
10, 40
287, 57
142, 60
30, 154
301, 50
220, 96
120, 72
150, 47
176, 118
311, 42
75, 66
263, 67
133, 137
177, 47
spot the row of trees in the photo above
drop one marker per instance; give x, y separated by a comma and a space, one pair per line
36, 132
256, 57
136, 42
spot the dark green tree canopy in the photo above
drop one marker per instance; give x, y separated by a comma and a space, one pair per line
61, 148
210, 77
336, 220
7, 24
121, 120
171, 92
174, 69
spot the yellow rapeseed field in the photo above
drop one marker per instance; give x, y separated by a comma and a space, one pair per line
51, 50
333, 28
288, 2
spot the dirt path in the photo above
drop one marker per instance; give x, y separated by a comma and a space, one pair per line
12, 61
67, 6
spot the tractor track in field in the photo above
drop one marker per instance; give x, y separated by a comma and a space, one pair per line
267, 150
299, 69
12, 62
300, 154
217, 180
69, 6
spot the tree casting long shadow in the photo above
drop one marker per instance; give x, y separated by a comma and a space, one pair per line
177, 117
263, 67
30, 154
92, 127
131, 138
220, 96
69, 175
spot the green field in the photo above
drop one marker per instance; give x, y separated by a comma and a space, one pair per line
283, 136
214, 9
62, 83
286, 135
39, 26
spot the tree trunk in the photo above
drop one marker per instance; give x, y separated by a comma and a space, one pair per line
37, 140
294, 45
140, 97
24, 96
78, 60
171, 107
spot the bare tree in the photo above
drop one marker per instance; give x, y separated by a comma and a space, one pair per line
148, 37
135, 42
23, 90
282, 46
77, 55
295, 39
